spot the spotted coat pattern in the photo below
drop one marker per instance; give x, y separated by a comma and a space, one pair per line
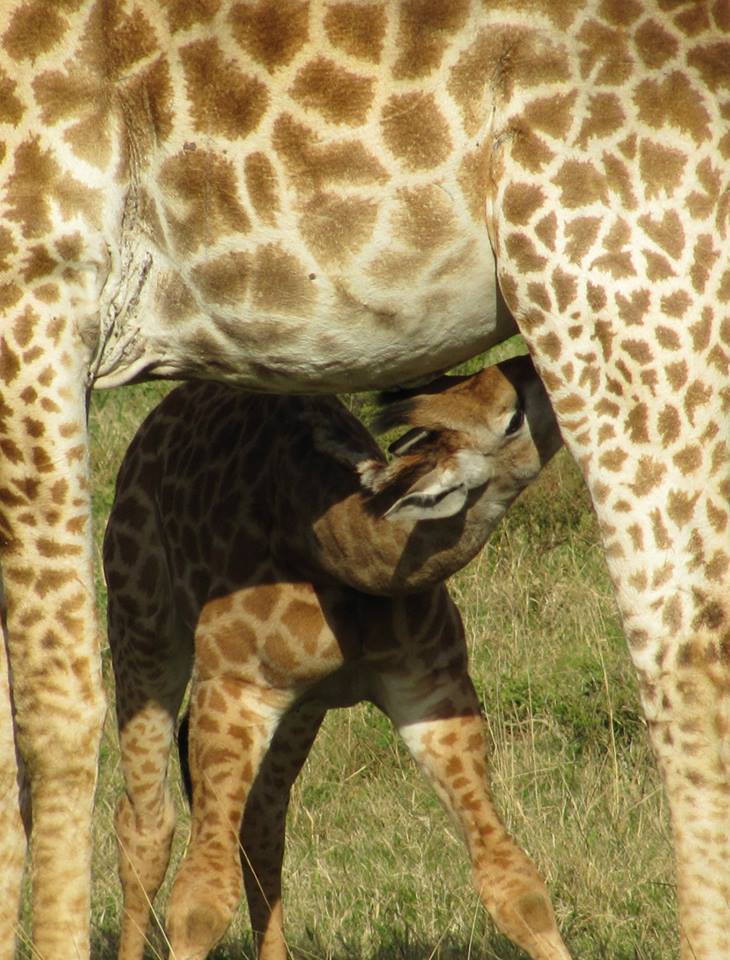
296, 195
242, 548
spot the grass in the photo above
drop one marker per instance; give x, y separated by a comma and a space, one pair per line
374, 869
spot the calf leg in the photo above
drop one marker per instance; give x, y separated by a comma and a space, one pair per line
231, 725
264, 825
444, 732
151, 677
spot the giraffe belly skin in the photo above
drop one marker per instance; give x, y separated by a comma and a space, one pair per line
409, 337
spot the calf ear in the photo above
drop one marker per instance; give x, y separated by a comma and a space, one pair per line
441, 493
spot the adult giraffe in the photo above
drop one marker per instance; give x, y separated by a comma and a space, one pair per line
296, 195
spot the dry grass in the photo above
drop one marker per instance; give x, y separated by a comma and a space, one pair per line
373, 868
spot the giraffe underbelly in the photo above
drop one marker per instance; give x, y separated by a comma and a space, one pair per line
284, 335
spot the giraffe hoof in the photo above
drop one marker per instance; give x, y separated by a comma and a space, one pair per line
194, 933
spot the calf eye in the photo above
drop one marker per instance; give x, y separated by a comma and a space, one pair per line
518, 418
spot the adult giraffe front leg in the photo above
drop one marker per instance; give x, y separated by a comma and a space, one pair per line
51, 639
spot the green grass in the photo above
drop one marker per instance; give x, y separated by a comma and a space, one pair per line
374, 869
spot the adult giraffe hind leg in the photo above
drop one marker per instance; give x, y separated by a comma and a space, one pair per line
50, 629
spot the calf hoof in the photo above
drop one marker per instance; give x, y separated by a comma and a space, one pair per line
194, 931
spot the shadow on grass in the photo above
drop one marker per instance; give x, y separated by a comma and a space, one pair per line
401, 946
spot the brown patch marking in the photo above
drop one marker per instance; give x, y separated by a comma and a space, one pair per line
272, 32
24, 327
529, 150
225, 279
357, 28
693, 20
552, 115
261, 183
7, 247
721, 15
335, 227
655, 44
702, 205
657, 266
549, 345
546, 230
424, 29
633, 309
338, 94
723, 291
464, 84
521, 249
580, 184
129, 38
182, 14
176, 299
637, 350
701, 331
314, 166
565, 286
36, 180
604, 54
415, 131
616, 261
613, 459
620, 13
472, 177
677, 374
668, 338
649, 474
676, 304
424, 217
520, 201
667, 233
605, 115
673, 102
11, 108
149, 95
204, 187
530, 60
661, 168
580, 235
223, 99
596, 297
38, 263
681, 507
669, 425
391, 266
539, 294
696, 395
34, 29
637, 423
279, 282
688, 459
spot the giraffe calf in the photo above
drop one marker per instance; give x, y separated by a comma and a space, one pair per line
264, 546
